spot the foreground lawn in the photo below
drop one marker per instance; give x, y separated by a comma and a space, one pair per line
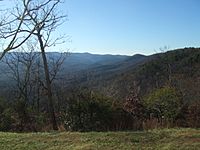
155, 139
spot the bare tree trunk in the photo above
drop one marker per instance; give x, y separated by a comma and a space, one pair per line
48, 85
38, 86
33, 18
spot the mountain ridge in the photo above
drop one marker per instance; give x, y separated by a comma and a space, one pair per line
113, 75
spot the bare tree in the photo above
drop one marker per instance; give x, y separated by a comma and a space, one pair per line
13, 29
20, 66
55, 64
33, 19
55, 61
20, 69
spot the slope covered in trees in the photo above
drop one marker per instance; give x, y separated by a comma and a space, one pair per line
102, 92
178, 68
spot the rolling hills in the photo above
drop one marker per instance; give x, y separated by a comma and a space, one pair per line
113, 75
180, 68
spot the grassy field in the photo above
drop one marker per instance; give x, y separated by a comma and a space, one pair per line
154, 139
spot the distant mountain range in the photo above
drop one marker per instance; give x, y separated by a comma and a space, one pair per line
99, 64
113, 75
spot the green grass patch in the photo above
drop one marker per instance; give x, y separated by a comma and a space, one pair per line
154, 139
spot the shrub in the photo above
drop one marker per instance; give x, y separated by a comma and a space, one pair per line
5, 116
87, 111
6, 120
193, 115
163, 103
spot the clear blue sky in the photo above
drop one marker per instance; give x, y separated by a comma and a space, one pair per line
128, 27
131, 26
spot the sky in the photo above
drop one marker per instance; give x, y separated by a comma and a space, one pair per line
129, 27
132, 26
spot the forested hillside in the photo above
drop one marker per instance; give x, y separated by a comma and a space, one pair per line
101, 92
178, 68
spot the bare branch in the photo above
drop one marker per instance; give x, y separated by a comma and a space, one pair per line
34, 19
56, 64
